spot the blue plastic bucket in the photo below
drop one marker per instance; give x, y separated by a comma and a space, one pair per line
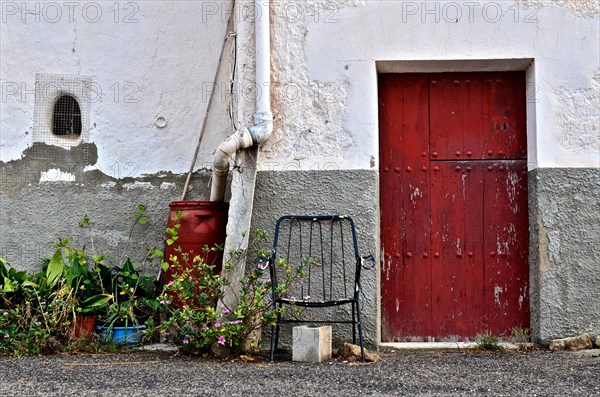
131, 335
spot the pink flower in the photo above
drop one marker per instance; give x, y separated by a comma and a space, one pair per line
225, 311
222, 340
185, 341
217, 325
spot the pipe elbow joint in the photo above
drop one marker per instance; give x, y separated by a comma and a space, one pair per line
262, 128
233, 143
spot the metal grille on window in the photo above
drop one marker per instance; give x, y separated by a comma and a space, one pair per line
66, 118
61, 115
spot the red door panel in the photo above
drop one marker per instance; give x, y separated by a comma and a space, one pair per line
458, 266
456, 122
477, 116
506, 244
405, 197
504, 115
454, 231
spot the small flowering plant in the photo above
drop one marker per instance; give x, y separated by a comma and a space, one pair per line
189, 306
188, 303
190, 299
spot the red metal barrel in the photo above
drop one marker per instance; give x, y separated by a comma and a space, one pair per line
204, 223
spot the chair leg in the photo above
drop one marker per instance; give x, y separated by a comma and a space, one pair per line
353, 324
272, 352
275, 336
360, 334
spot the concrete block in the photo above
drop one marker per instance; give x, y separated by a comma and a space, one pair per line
311, 343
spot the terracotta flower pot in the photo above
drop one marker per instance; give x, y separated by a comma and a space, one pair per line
84, 327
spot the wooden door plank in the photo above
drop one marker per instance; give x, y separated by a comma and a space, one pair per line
473, 255
457, 226
448, 231
506, 293
404, 121
456, 116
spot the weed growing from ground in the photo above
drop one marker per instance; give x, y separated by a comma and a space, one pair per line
488, 342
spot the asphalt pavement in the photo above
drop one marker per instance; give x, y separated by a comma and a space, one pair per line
456, 373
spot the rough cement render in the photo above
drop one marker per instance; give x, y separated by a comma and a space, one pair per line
564, 252
309, 114
34, 214
578, 116
579, 8
350, 193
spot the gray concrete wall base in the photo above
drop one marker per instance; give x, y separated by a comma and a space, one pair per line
38, 206
564, 252
350, 192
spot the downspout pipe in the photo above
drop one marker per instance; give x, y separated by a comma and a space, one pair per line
263, 118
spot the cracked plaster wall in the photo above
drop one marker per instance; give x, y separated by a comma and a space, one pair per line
324, 68
149, 60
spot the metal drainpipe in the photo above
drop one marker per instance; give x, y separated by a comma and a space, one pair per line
263, 118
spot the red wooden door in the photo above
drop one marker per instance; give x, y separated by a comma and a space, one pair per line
453, 205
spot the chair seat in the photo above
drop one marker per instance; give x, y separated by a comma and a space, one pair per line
312, 303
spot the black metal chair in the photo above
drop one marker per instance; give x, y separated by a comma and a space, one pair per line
317, 258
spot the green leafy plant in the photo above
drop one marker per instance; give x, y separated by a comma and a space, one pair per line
85, 274
38, 310
486, 341
131, 297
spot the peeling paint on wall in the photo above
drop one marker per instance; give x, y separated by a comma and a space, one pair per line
579, 8
56, 175
578, 116
47, 192
309, 114
554, 246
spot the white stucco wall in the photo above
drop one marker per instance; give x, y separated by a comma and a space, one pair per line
148, 59
157, 58
331, 50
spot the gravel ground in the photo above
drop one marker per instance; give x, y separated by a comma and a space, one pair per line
536, 373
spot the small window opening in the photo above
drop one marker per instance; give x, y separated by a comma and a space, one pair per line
66, 118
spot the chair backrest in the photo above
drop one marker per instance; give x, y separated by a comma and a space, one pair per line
325, 250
